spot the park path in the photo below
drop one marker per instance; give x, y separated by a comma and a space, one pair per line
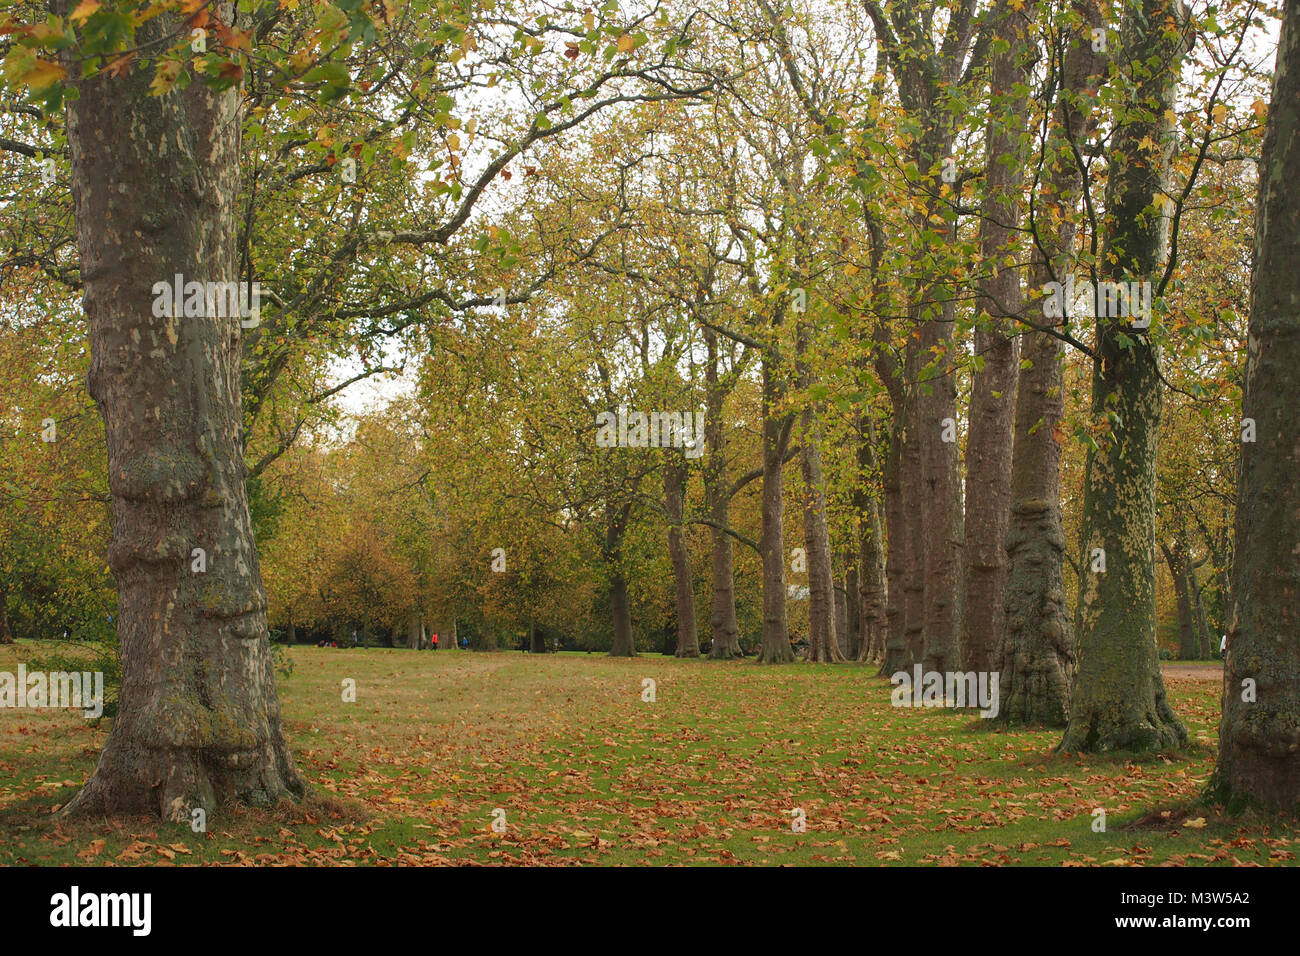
1206, 672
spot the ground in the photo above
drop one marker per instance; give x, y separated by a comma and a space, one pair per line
585, 770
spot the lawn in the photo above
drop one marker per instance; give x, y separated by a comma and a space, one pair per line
585, 770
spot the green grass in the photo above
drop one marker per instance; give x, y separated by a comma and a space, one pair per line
587, 772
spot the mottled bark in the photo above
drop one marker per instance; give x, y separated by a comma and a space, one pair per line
688, 640
1259, 741
1119, 700
993, 390
154, 180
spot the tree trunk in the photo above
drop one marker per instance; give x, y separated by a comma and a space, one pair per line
912, 504
1119, 700
993, 391
414, 635
616, 521
724, 630
1198, 610
899, 521
775, 648
822, 637
5, 636
1179, 565
537, 640
1036, 659
941, 491
154, 180
618, 603
1259, 741
688, 640
851, 616
872, 622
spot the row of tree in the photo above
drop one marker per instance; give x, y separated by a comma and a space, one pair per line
831, 228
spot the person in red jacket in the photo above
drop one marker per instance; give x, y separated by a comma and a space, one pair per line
434, 642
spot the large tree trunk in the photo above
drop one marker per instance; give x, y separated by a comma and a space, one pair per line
940, 490
1259, 739
688, 640
1119, 699
724, 630
1036, 659
872, 615
775, 648
993, 391
900, 522
414, 632
154, 181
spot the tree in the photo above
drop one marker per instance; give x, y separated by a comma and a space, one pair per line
1119, 699
1036, 657
993, 390
199, 720
1258, 737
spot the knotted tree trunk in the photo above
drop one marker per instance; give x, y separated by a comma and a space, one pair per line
1259, 739
1036, 658
154, 181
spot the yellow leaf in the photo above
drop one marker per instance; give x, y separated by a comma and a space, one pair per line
1260, 108
1220, 112
453, 141
589, 21
1197, 824
168, 71
625, 43
84, 10
44, 75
